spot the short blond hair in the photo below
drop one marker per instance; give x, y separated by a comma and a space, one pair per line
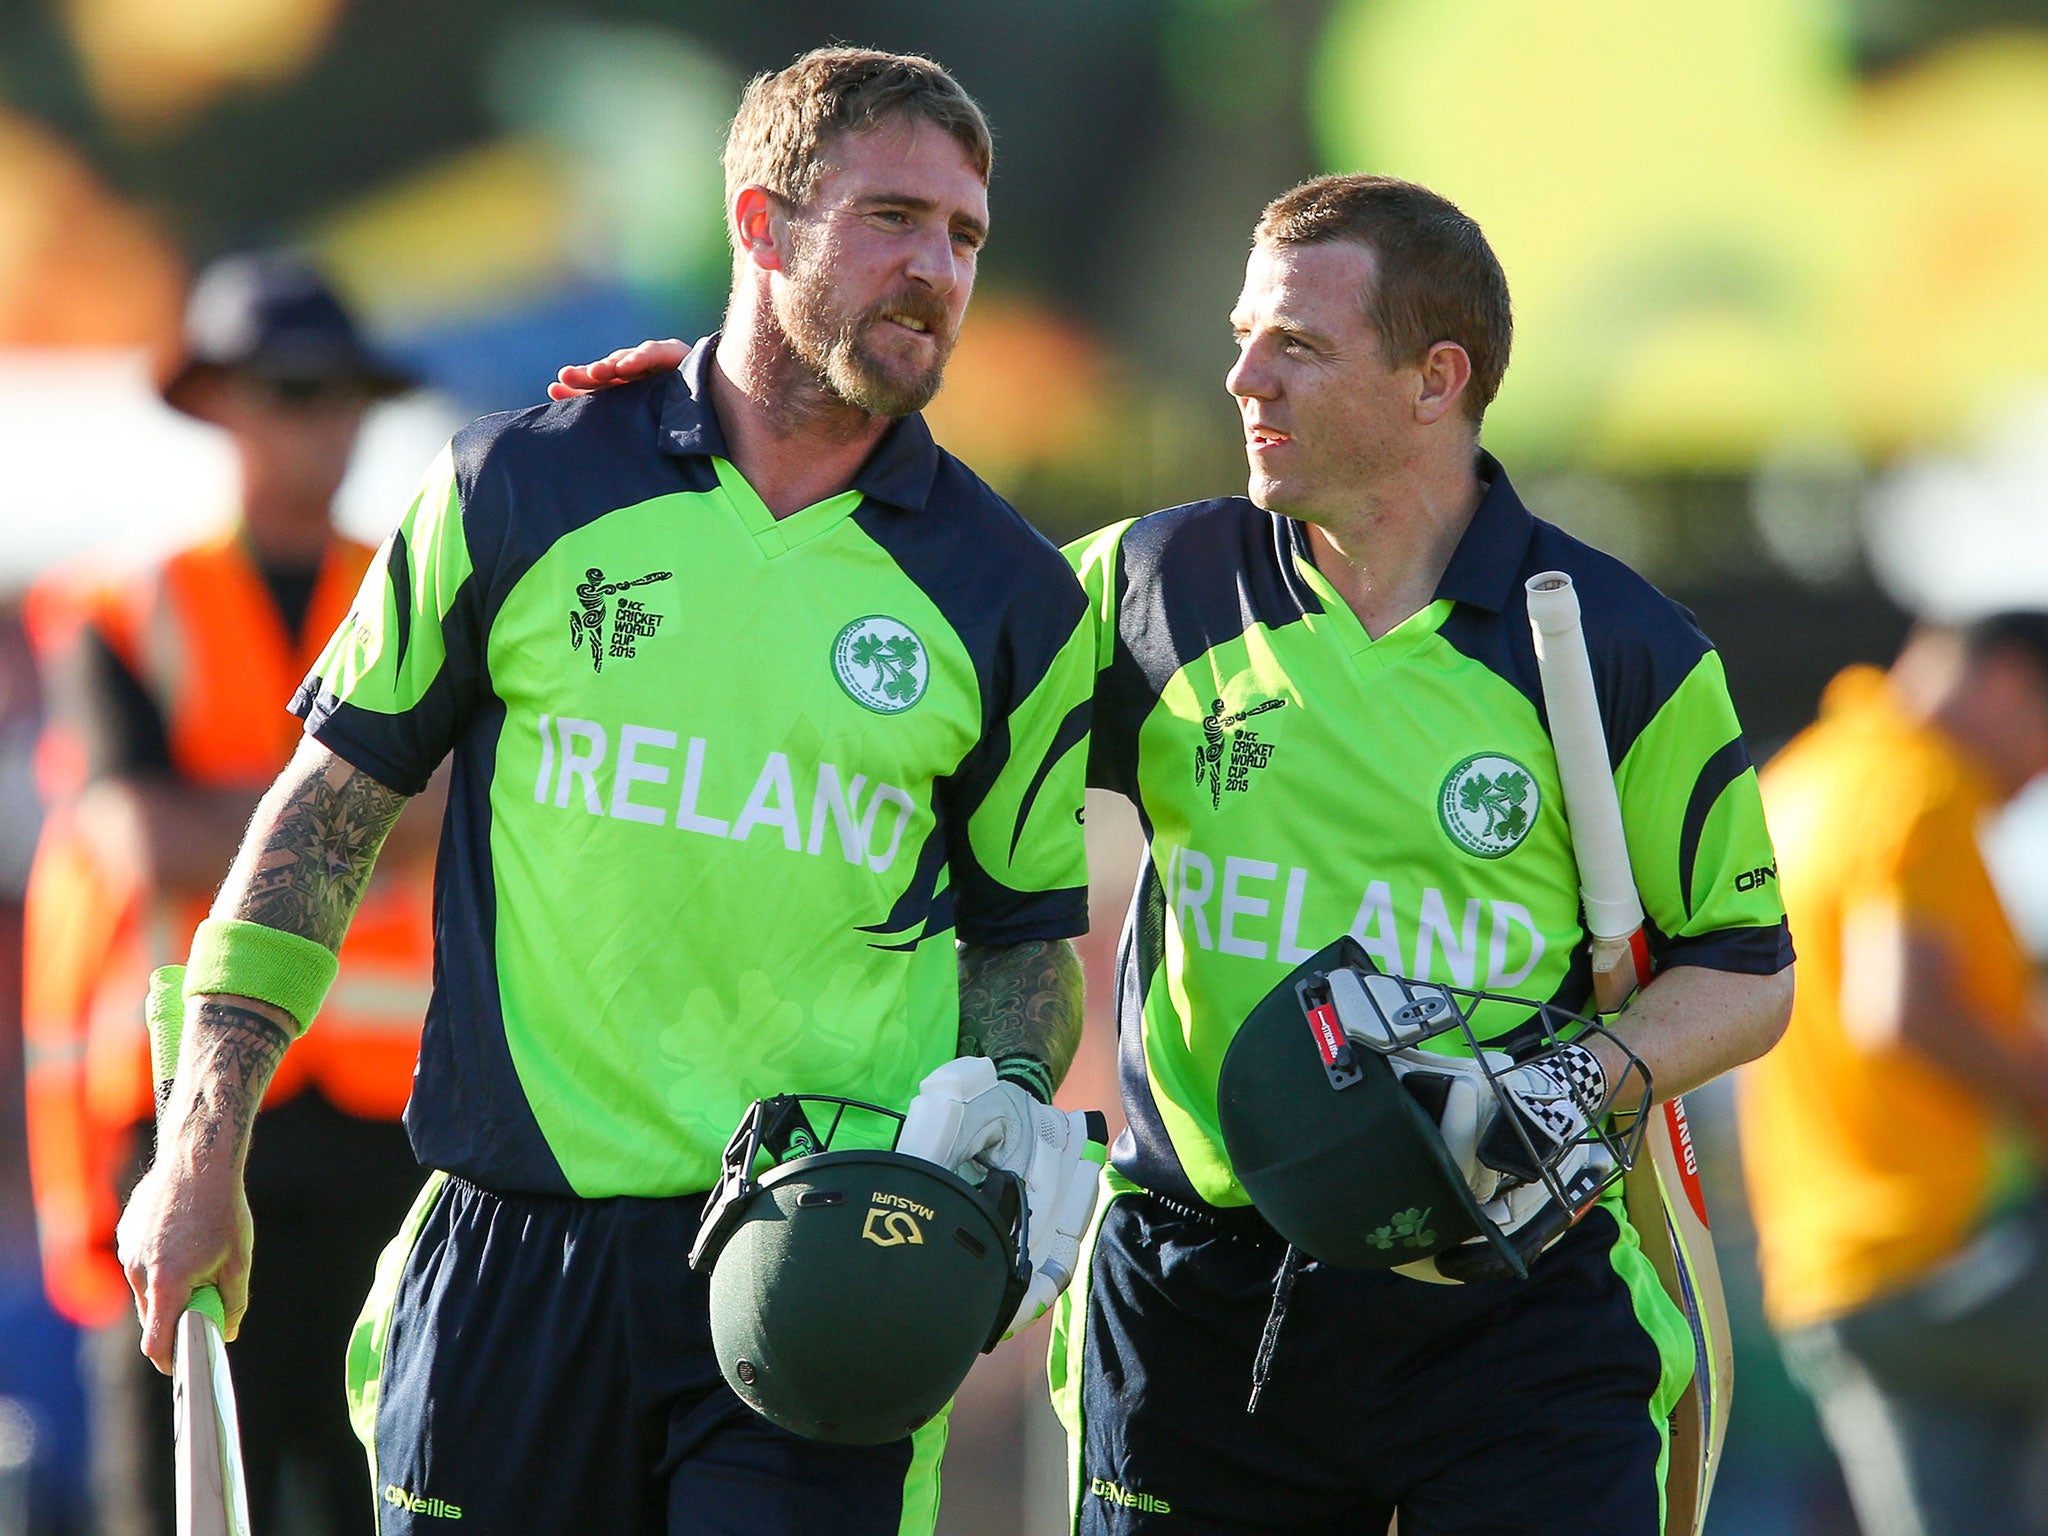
787, 118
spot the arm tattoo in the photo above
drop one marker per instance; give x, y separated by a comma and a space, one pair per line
1021, 998
242, 1049
310, 849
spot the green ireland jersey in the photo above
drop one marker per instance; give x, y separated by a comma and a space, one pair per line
725, 788
1297, 780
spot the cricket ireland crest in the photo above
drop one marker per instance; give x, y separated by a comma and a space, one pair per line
1487, 804
881, 664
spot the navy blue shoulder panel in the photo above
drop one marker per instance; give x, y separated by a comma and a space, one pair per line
525, 478
528, 477
1188, 579
1015, 604
1642, 644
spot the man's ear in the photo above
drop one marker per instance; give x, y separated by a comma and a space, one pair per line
759, 227
1445, 372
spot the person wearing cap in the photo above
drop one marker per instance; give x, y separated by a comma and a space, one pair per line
168, 688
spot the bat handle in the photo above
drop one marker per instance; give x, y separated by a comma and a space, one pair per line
1621, 968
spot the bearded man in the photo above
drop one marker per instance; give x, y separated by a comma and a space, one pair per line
758, 701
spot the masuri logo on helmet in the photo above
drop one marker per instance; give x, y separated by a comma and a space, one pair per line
851, 1290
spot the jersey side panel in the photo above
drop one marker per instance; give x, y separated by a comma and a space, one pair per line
1013, 842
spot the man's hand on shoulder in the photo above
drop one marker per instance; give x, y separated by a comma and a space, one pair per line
620, 367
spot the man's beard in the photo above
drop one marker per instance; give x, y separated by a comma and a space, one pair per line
834, 345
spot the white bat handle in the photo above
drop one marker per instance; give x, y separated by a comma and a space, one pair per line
1613, 909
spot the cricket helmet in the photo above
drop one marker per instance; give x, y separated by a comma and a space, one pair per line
851, 1289
1344, 1155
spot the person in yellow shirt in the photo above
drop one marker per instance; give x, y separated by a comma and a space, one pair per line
1893, 1142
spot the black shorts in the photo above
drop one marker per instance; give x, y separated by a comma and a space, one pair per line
1525, 1407
543, 1364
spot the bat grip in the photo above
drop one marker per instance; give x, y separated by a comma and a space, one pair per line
207, 1303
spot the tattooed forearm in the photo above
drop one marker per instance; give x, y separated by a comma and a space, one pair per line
235, 1050
310, 850
1021, 998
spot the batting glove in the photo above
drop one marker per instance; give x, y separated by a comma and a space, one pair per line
1491, 1126
967, 1120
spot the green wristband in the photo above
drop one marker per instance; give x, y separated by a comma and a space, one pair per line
268, 964
165, 1013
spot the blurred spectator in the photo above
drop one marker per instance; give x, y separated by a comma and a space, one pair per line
1893, 1142
167, 693
20, 819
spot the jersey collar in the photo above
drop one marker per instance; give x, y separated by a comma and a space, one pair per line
899, 472
1486, 567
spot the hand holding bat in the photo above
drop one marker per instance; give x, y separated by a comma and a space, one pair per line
212, 1494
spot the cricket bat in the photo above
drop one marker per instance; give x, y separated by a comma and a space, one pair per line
1662, 1192
213, 1495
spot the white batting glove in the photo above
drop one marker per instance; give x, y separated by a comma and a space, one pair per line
1544, 1097
969, 1122
1057, 1220
1470, 1109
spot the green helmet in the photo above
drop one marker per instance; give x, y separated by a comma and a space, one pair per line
1343, 1153
851, 1290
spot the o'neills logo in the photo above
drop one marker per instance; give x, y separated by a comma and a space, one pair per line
1128, 1498
416, 1504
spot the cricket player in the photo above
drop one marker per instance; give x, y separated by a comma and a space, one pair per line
1344, 656
1399, 786
758, 702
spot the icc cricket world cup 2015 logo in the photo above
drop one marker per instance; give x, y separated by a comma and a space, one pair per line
631, 619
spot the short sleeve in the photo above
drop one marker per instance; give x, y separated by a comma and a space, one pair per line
1017, 848
1095, 559
399, 679
1694, 821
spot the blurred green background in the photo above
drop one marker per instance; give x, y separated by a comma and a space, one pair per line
1780, 271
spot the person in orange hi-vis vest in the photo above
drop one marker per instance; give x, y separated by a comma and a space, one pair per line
168, 688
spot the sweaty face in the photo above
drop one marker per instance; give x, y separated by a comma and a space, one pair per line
880, 264
1323, 414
